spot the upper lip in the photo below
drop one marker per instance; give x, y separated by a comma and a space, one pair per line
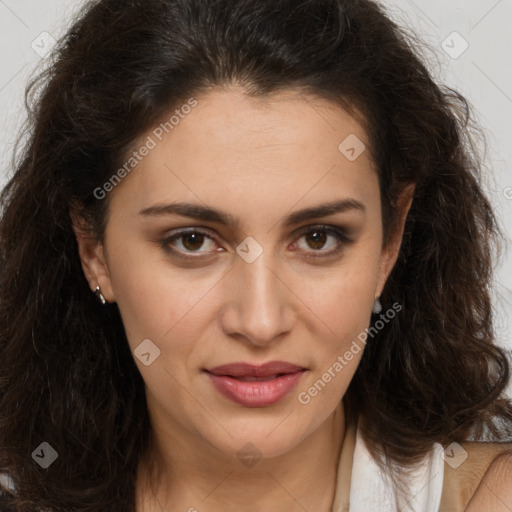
251, 370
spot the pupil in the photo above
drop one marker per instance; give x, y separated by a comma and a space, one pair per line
319, 240
198, 240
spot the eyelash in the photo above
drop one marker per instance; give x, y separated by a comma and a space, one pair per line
338, 233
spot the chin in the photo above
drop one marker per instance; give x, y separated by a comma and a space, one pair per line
261, 443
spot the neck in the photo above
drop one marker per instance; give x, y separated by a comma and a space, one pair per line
178, 474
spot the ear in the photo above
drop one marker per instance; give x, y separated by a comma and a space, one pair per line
93, 257
391, 252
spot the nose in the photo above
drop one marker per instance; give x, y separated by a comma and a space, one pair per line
260, 305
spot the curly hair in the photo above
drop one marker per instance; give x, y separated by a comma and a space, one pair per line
67, 375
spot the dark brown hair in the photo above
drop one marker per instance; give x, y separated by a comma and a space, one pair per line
67, 376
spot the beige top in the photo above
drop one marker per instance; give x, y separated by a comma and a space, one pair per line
342, 494
459, 484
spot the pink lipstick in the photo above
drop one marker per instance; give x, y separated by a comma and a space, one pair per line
255, 385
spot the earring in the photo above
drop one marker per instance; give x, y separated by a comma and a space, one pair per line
377, 306
98, 294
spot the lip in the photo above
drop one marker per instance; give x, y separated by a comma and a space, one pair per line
278, 378
244, 369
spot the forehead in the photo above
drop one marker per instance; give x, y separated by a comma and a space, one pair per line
237, 122
230, 145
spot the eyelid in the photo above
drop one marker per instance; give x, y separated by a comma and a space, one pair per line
337, 231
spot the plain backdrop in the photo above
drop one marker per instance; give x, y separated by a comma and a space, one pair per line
468, 46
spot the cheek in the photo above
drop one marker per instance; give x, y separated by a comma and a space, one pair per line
341, 311
157, 300
342, 298
341, 302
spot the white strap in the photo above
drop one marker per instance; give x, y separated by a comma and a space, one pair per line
371, 489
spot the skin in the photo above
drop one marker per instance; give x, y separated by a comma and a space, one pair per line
495, 489
258, 160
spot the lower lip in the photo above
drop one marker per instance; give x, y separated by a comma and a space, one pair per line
256, 393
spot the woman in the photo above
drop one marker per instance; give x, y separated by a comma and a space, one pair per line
283, 224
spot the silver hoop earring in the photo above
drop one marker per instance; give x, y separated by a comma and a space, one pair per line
98, 294
377, 306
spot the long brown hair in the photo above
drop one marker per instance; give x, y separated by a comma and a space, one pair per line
67, 376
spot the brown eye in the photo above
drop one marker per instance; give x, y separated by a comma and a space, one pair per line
318, 237
192, 241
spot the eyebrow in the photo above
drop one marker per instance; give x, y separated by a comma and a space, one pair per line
205, 213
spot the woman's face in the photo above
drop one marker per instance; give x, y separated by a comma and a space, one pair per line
259, 281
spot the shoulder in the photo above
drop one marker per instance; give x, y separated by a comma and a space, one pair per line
483, 464
495, 489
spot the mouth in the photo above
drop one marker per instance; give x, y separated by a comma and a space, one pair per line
255, 385
248, 378
269, 370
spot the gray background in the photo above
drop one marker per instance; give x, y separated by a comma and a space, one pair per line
483, 72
